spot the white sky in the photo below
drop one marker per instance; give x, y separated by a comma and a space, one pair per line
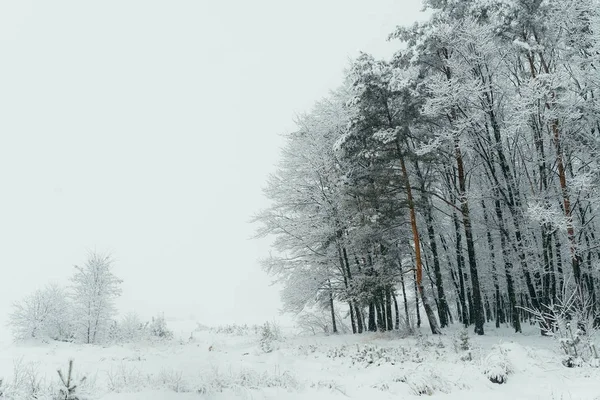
148, 128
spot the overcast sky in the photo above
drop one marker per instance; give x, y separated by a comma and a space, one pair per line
148, 128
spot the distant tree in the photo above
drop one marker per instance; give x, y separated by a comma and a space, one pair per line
95, 289
129, 329
158, 328
45, 314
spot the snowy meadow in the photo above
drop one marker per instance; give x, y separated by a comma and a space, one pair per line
243, 362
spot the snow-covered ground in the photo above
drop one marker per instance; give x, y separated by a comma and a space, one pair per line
209, 365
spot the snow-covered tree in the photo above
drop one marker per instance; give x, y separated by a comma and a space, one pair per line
94, 290
45, 314
467, 163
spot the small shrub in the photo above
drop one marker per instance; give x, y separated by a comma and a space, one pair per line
217, 382
158, 328
330, 385
319, 321
497, 366
462, 345
373, 355
595, 360
173, 380
237, 330
131, 328
267, 337
571, 320
306, 350
425, 382
337, 352
370, 355
26, 383
125, 379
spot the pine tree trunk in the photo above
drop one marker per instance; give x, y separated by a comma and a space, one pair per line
417, 306
405, 299
418, 262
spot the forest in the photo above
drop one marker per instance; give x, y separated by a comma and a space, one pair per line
461, 173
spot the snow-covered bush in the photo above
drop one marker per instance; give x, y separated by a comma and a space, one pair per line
462, 345
216, 381
373, 355
497, 366
572, 322
45, 314
268, 335
158, 328
27, 383
425, 382
237, 330
595, 359
125, 378
308, 349
172, 380
330, 385
337, 352
319, 321
370, 355
131, 328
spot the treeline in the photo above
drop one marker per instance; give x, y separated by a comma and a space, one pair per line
464, 170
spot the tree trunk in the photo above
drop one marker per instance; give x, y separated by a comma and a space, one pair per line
388, 309
442, 303
379, 313
460, 260
417, 307
352, 317
360, 327
405, 298
397, 312
464, 206
419, 268
508, 268
333, 322
372, 324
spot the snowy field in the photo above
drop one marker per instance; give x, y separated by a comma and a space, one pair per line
212, 365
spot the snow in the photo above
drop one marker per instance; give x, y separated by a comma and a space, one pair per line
203, 364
